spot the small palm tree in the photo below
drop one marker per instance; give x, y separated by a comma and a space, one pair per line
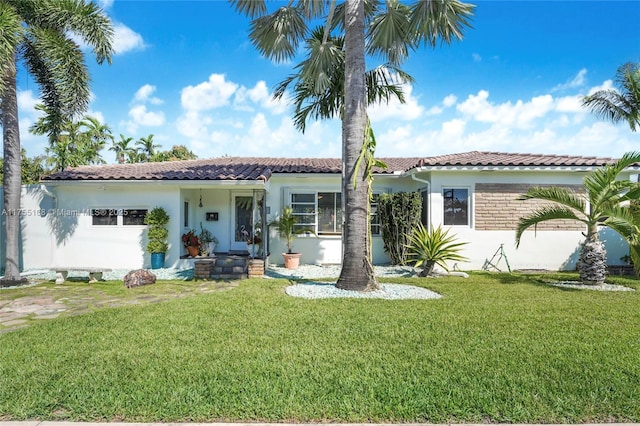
623, 105
288, 227
603, 206
428, 248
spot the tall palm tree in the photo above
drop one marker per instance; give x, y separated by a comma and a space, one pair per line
122, 148
388, 30
39, 33
604, 206
622, 105
77, 142
147, 147
97, 133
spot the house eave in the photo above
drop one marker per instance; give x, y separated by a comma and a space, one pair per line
185, 184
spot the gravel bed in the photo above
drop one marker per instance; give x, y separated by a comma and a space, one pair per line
320, 290
578, 286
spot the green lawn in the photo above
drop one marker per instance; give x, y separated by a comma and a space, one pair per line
495, 348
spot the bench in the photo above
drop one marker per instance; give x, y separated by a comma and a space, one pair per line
95, 274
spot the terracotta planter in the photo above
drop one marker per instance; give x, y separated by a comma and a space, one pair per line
193, 250
291, 260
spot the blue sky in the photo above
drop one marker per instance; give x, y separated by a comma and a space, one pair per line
185, 72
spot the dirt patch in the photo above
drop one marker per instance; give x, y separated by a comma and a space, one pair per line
23, 306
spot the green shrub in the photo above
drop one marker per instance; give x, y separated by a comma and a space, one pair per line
399, 213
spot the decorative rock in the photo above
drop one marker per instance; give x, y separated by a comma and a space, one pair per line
139, 277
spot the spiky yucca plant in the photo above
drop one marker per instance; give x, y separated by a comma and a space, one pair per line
428, 248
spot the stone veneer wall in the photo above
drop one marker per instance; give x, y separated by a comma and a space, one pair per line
496, 208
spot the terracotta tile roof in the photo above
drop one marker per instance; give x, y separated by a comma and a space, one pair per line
481, 158
261, 168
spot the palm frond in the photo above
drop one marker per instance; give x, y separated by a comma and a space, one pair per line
277, 35
443, 20
86, 20
616, 106
58, 65
10, 38
250, 8
390, 33
556, 194
543, 214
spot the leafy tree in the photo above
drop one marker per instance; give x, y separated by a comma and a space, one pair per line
622, 105
32, 168
392, 29
603, 206
41, 35
177, 152
428, 248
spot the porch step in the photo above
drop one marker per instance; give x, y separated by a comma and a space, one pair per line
223, 267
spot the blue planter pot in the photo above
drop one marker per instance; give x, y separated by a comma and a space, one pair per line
157, 260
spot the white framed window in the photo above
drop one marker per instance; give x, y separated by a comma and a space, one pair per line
322, 211
455, 203
117, 217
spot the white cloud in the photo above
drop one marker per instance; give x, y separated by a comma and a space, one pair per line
246, 99
395, 110
126, 40
216, 92
447, 102
476, 57
144, 95
575, 82
519, 115
606, 85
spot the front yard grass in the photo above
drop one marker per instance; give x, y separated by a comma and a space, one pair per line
495, 348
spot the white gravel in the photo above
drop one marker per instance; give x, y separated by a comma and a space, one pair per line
320, 290
579, 286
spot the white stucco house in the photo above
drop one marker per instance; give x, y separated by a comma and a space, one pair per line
92, 215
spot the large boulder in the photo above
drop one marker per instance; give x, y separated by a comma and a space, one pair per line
139, 277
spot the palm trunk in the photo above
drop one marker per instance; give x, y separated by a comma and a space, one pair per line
12, 180
592, 264
357, 270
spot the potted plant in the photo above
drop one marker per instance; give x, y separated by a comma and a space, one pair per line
191, 242
157, 220
286, 226
208, 241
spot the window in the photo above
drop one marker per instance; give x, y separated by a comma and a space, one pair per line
456, 206
133, 216
104, 217
110, 217
186, 214
329, 213
375, 218
322, 212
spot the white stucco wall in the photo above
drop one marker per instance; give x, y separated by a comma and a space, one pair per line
65, 236
77, 242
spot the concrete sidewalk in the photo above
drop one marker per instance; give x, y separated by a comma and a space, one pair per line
37, 423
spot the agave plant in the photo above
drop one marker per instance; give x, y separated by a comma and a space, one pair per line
604, 205
428, 248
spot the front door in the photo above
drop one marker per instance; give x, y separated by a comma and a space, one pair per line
242, 226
